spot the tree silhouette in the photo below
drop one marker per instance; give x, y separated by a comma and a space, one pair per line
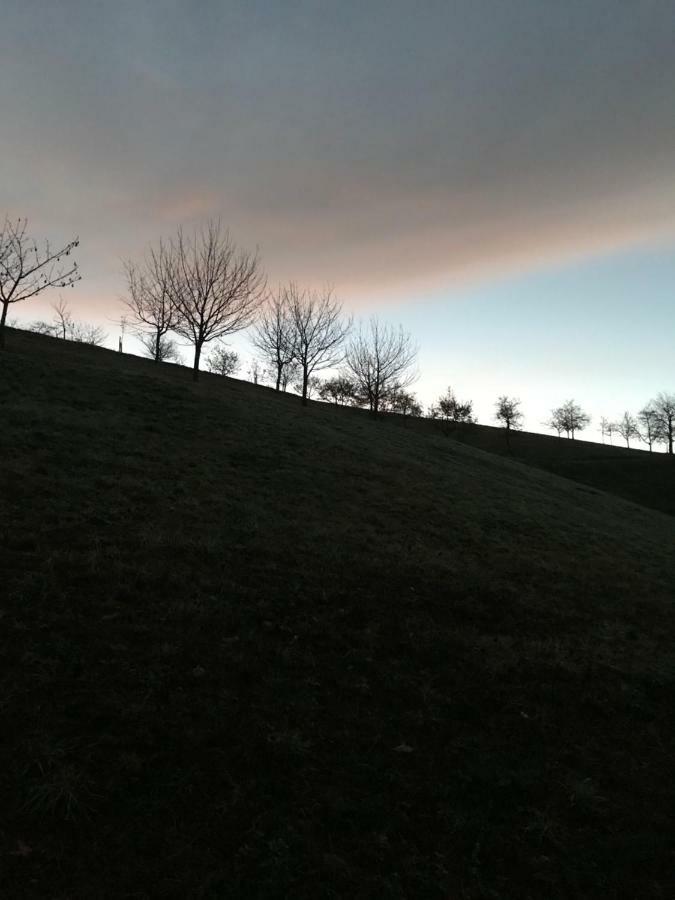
451, 409
664, 407
64, 326
627, 426
403, 403
27, 269
63, 319
650, 427
216, 288
569, 418
507, 412
319, 331
223, 361
380, 360
340, 390
274, 335
152, 309
160, 349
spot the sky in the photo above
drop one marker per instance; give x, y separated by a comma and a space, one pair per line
498, 176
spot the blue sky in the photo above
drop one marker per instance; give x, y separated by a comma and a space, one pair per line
600, 330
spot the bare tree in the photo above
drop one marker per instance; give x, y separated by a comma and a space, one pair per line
26, 269
150, 300
290, 375
555, 423
605, 428
42, 327
507, 412
319, 331
650, 427
160, 349
664, 407
64, 326
254, 371
451, 409
380, 359
569, 418
339, 390
311, 387
223, 361
84, 333
403, 403
216, 288
627, 427
63, 319
274, 335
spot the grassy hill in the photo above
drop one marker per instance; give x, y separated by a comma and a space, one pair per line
255, 650
634, 474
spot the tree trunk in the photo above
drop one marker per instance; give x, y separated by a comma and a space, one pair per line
3, 319
195, 368
305, 379
158, 346
278, 377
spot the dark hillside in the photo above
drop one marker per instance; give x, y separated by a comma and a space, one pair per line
633, 474
255, 650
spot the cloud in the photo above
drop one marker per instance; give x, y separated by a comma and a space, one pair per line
379, 147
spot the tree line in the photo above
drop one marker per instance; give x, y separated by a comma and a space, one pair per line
201, 287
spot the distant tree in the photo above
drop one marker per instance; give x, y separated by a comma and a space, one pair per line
507, 412
274, 335
64, 326
41, 327
84, 333
63, 319
664, 407
163, 349
569, 418
216, 288
123, 327
340, 390
627, 427
255, 372
555, 423
26, 269
450, 408
403, 403
150, 300
319, 332
290, 374
650, 430
223, 361
380, 360
311, 387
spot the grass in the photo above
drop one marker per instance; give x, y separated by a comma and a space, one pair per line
255, 650
633, 474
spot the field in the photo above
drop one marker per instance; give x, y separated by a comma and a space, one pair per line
256, 650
